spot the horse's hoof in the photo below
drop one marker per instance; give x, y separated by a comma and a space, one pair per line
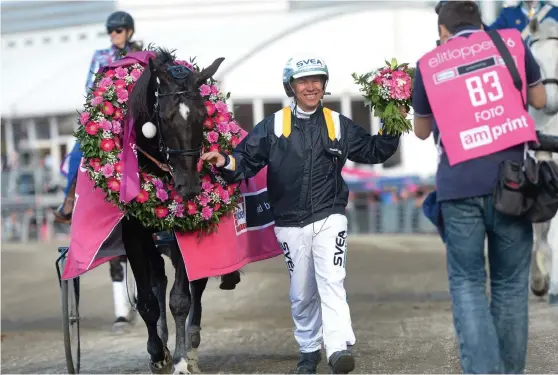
538, 289
164, 366
181, 367
193, 367
195, 338
553, 299
192, 356
229, 281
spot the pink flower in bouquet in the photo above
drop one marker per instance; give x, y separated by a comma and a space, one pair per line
135, 74
205, 90
231, 188
216, 207
223, 118
109, 73
221, 107
117, 143
191, 208
99, 92
179, 210
224, 195
107, 145
158, 183
84, 117
203, 198
176, 197
118, 167
108, 108
96, 101
107, 170
215, 147
233, 126
105, 125
142, 197
206, 183
161, 212
122, 95
207, 212
113, 184
162, 195
119, 84
95, 163
105, 82
208, 123
223, 127
116, 127
214, 90
235, 141
200, 165
210, 107
92, 128
212, 136
117, 114
120, 72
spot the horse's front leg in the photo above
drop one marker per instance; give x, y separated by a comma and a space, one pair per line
159, 287
136, 241
179, 303
541, 249
194, 325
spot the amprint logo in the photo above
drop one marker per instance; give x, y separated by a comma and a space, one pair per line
476, 137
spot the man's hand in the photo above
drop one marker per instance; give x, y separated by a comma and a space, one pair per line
215, 158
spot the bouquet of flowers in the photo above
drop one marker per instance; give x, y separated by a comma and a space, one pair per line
386, 90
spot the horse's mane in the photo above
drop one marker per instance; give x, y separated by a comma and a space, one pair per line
141, 98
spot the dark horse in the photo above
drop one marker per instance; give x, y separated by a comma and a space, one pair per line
168, 95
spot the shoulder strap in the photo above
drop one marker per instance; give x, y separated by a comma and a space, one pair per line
508, 60
333, 123
539, 16
282, 122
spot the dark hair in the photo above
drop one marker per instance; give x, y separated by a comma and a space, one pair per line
136, 46
456, 14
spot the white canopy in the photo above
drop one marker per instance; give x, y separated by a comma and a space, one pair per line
45, 79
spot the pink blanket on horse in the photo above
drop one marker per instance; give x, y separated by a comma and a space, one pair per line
96, 234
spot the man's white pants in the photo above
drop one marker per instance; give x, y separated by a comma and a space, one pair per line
316, 264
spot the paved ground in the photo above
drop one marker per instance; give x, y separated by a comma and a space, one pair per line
397, 291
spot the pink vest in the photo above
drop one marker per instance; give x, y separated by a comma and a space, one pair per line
477, 108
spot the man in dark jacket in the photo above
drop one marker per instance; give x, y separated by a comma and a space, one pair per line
304, 147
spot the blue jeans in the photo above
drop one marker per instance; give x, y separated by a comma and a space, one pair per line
492, 334
73, 167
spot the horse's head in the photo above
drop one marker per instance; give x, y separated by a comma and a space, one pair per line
168, 108
544, 46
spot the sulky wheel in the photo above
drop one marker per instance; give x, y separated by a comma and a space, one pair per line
70, 323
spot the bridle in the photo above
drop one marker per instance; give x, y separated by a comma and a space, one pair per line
546, 80
178, 72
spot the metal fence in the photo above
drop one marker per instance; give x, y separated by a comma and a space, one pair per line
30, 196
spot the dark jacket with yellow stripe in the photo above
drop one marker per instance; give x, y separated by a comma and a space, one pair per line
304, 159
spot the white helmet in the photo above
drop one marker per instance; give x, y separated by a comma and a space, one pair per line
302, 67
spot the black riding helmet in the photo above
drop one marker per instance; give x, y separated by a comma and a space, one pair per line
119, 19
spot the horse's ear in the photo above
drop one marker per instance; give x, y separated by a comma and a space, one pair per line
208, 72
534, 26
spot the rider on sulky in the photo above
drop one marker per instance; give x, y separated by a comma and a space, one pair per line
304, 147
476, 132
120, 28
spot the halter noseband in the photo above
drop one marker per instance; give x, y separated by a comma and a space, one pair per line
177, 72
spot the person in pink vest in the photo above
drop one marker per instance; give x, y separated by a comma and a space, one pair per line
464, 94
